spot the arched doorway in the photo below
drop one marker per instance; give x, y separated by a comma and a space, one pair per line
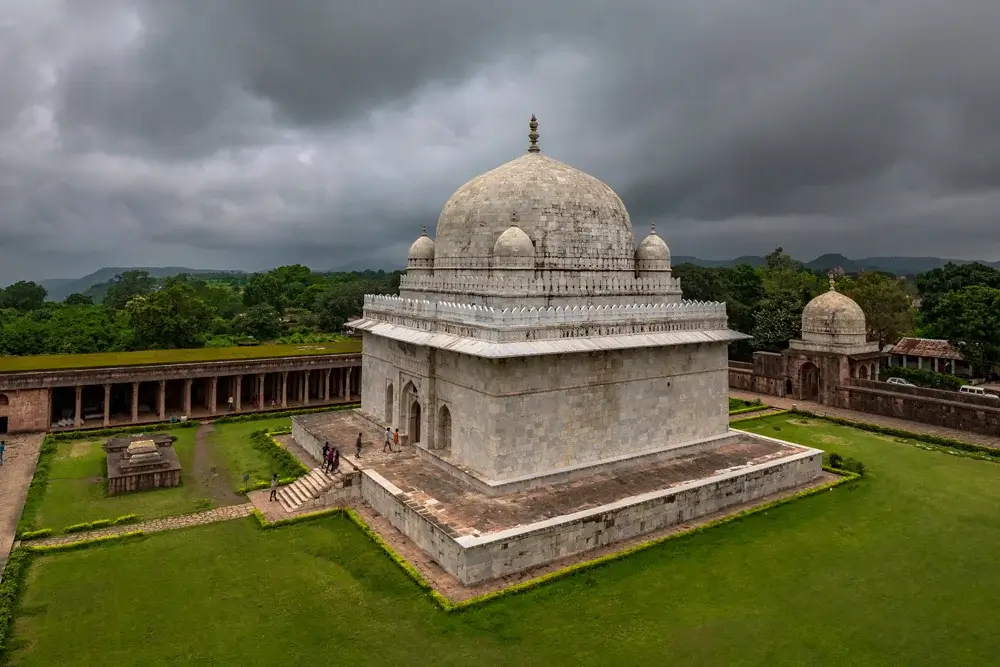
864, 372
389, 395
444, 428
414, 430
809, 382
4, 400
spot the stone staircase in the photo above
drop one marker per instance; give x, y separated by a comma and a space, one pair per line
305, 489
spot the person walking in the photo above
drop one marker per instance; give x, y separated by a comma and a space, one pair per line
395, 439
335, 467
274, 487
3, 446
357, 447
328, 461
326, 450
231, 403
388, 441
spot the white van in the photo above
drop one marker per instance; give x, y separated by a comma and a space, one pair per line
977, 391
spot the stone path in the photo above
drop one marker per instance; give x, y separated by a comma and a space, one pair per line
156, 525
19, 461
879, 420
207, 474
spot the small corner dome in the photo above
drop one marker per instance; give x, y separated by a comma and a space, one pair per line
833, 313
514, 242
422, 248
652, 248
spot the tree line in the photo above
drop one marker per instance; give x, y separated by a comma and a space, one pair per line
290, 304
957, 302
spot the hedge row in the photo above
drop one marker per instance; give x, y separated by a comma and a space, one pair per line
254, 416
289, 467
11, 587
752, 408
755, 417
310, 516
36, 491
449, 606
102, 523
124, 430
925, 378
84, 543
901, 433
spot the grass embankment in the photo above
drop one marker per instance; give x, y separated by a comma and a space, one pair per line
892, 570
40, 362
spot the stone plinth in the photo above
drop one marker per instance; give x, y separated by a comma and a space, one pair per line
142, 462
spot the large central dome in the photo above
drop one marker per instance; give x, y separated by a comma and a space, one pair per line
574, 221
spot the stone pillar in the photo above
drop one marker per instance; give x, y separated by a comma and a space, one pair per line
305, 385
213, 394
78, 415
107, 405
162, 401
135, 402
347, 384
326, 384
284, 389
239, 390
187, 396
260, 391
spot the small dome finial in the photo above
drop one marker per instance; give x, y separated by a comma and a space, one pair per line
533, 135
652, 228
423, 230
833, 281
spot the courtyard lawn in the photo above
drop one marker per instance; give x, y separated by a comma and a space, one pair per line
231, 444
77, 491
896, 569
13, 364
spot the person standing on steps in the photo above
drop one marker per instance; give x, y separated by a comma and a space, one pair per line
328, 461
326, 450
395, 439
335, 468
357, 447
388, 441
274, 487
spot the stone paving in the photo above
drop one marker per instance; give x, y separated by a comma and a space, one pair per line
156, 525
19, 461
879, 420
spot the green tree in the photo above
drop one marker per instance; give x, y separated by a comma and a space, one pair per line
951, 277
173, 317
24, 295
777, 320
261, 322
77, 299
264, 288
970, 319
126, 286
887, 307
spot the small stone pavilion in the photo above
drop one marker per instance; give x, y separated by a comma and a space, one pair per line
834, 347
141, 462
535, 352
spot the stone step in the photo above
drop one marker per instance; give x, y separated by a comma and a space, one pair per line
308, 485
285, 505
295, 495
300, 490
319, 478
287, 496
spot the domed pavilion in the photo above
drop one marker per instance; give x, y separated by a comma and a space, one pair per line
533, 344
834, 346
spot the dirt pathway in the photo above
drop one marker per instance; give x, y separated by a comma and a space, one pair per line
864, 417
208, 474
19, 461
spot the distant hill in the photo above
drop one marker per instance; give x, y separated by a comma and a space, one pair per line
60, 288
900, 266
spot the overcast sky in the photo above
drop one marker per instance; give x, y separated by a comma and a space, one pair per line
254, 133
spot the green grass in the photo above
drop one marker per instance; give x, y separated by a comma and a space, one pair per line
740, 404
77, 493
892, 570
231, 442
13, 364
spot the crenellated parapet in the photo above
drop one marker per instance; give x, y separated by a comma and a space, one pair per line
517, 324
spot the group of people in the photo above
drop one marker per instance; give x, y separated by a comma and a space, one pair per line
331, 457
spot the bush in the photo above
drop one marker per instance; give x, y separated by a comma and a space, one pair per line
101, 523
925, 378
838, 462
255, 416
35, 534
289, 467
126, 518
124, 430
85, 543
14, 575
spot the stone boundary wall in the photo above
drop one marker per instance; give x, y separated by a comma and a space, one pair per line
304, 438
952, 414
746, 380
474, 559
923, 392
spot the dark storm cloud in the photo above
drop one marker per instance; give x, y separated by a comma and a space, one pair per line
250, 133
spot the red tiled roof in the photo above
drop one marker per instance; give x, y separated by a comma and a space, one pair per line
926, 347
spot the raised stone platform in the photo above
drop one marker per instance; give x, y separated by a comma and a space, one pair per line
142, 462
478, 536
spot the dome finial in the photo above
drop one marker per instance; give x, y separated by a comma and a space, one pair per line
423, 230
833, 281
652, 228
533, 135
